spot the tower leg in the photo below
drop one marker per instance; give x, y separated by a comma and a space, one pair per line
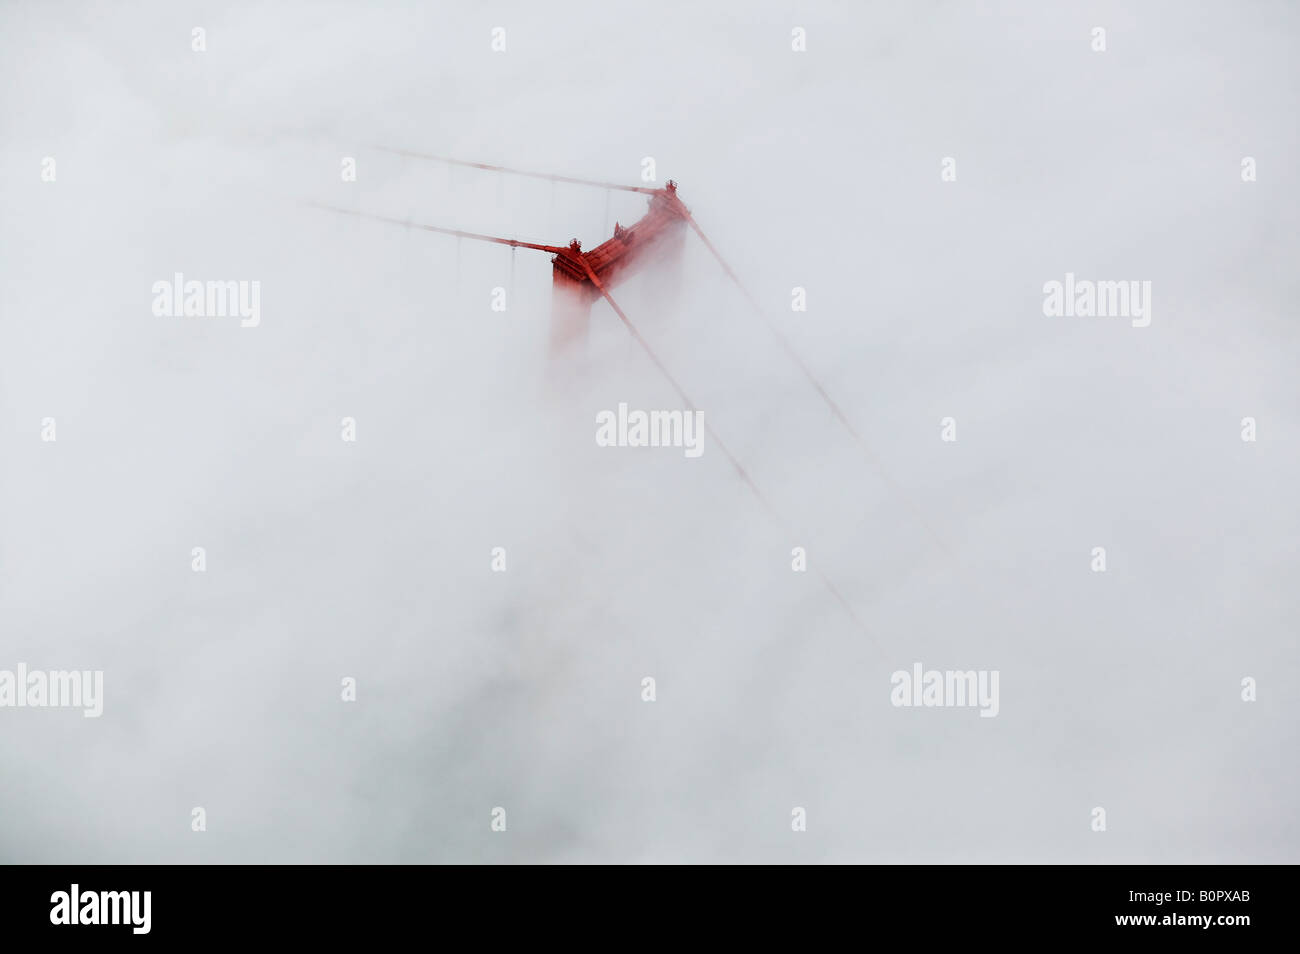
570, 315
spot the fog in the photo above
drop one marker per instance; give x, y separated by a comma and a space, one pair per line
372, 559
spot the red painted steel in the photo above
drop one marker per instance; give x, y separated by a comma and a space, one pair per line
660, 232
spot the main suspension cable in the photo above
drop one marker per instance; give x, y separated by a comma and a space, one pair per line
781, 339
650, 352
793, 355
735, 462
617, 186
407, 223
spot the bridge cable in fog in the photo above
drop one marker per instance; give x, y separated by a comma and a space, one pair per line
572, 255
782, 341
572, 180
735, 462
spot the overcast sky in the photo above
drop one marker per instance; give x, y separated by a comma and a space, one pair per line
371, 559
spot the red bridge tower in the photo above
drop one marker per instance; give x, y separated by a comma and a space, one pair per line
657, 237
